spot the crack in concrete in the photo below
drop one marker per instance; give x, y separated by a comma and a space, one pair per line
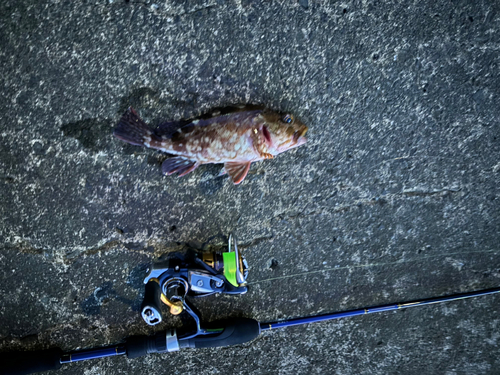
24, 247
69, 256
107, 246
255, 241
380, 200
417, 193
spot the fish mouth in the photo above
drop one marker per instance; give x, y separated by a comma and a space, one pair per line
298, 136
301, 141
302, 132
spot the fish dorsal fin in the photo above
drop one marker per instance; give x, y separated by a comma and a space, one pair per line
168, 128
237, 170
223, 111
179, 129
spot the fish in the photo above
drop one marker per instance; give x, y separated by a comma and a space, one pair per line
235, 136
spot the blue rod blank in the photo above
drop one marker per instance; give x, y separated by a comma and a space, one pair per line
374, 309
83, 355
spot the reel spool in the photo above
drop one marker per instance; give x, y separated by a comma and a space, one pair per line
193, 274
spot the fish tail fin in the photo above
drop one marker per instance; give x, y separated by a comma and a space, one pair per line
132, 129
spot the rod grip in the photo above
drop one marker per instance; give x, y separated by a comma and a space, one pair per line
236, 331
21, 363
138, 346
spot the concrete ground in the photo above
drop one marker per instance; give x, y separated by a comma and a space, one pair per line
395, 196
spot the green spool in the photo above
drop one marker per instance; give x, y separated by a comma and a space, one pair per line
230, 267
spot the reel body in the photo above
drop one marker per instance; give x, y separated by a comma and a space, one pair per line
192, 274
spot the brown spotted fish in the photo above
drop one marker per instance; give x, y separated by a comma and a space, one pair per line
236, 137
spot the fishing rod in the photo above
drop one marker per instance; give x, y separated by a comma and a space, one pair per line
195, 275
225, 333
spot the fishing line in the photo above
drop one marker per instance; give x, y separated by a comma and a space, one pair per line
401, 261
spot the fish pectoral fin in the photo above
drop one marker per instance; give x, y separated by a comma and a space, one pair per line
178, 165
265, 155
237, 171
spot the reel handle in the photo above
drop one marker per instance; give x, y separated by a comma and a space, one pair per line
150, 309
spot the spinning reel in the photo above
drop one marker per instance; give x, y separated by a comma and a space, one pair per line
193, 274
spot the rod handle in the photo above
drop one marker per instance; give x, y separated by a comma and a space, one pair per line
236, 331
22, 363
138, 346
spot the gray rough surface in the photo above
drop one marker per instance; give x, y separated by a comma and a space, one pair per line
395, 197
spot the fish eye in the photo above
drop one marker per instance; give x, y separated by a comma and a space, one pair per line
288, 119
